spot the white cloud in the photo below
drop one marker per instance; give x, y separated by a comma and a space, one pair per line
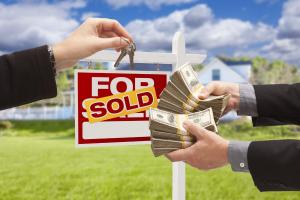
28, 24
197, 16
286, 45
229, 33
202, 31
289, 23
152, 4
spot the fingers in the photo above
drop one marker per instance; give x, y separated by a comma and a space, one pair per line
113, 26
227, 110
113, 42
208, 90
194, 129
178, 155
108, 34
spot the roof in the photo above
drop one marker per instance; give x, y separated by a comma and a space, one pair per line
231, 74
230, 63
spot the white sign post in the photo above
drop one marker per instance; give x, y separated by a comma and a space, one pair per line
177, 58
178, 187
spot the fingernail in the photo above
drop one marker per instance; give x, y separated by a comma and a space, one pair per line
124, 41
185, 124
202, 95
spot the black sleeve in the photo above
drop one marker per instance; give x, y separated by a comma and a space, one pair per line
277, 104
26, 76
275, 165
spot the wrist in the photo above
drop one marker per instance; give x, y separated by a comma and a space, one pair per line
248, 104
58, 52
235, 96
221, 156
62, 56
225, 152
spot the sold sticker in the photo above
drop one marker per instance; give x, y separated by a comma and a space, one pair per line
120, 104
112, 107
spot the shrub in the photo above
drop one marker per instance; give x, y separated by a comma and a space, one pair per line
5, 125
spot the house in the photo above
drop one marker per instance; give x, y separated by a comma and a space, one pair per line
228, 71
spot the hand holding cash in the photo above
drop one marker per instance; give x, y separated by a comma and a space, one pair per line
180, 101
221, 88
168, 133
209, 152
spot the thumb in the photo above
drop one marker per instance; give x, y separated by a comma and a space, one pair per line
194, 129
112, 42
207, 91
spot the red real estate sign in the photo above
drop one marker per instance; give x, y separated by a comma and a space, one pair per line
98, 96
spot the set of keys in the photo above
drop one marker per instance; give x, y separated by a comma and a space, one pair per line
128, 50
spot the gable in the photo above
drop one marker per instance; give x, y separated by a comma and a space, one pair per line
243, 70
226, 74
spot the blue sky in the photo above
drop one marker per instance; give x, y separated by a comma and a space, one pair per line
269, 28
268, 12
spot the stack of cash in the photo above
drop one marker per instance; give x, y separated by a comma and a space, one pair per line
181, 95
180, 101
168, 134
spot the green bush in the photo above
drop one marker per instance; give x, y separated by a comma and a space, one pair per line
5, 125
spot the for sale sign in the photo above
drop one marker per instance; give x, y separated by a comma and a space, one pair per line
112, 106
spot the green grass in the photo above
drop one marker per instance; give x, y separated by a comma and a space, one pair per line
38, 160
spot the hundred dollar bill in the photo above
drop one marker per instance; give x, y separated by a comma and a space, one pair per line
161, 146
170, 97
183, 90
172, 123
162, 143
166, 105
181, 96
169, 103
171, 136
217, 103
185, 78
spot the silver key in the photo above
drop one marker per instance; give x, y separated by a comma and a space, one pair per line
130, 49
121, 56
131, 54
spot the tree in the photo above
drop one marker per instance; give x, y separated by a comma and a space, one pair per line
269, 72
198, 67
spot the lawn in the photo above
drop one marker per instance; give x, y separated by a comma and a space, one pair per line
38, 160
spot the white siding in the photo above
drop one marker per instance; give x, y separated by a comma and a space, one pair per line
243, 70
227, 74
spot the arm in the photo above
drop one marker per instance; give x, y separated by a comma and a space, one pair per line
277, 104
25, 77
238, 150
28, 76
274, 165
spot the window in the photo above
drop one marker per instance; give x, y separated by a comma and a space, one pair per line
216, 76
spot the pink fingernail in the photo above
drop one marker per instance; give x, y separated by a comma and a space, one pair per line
185, 124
